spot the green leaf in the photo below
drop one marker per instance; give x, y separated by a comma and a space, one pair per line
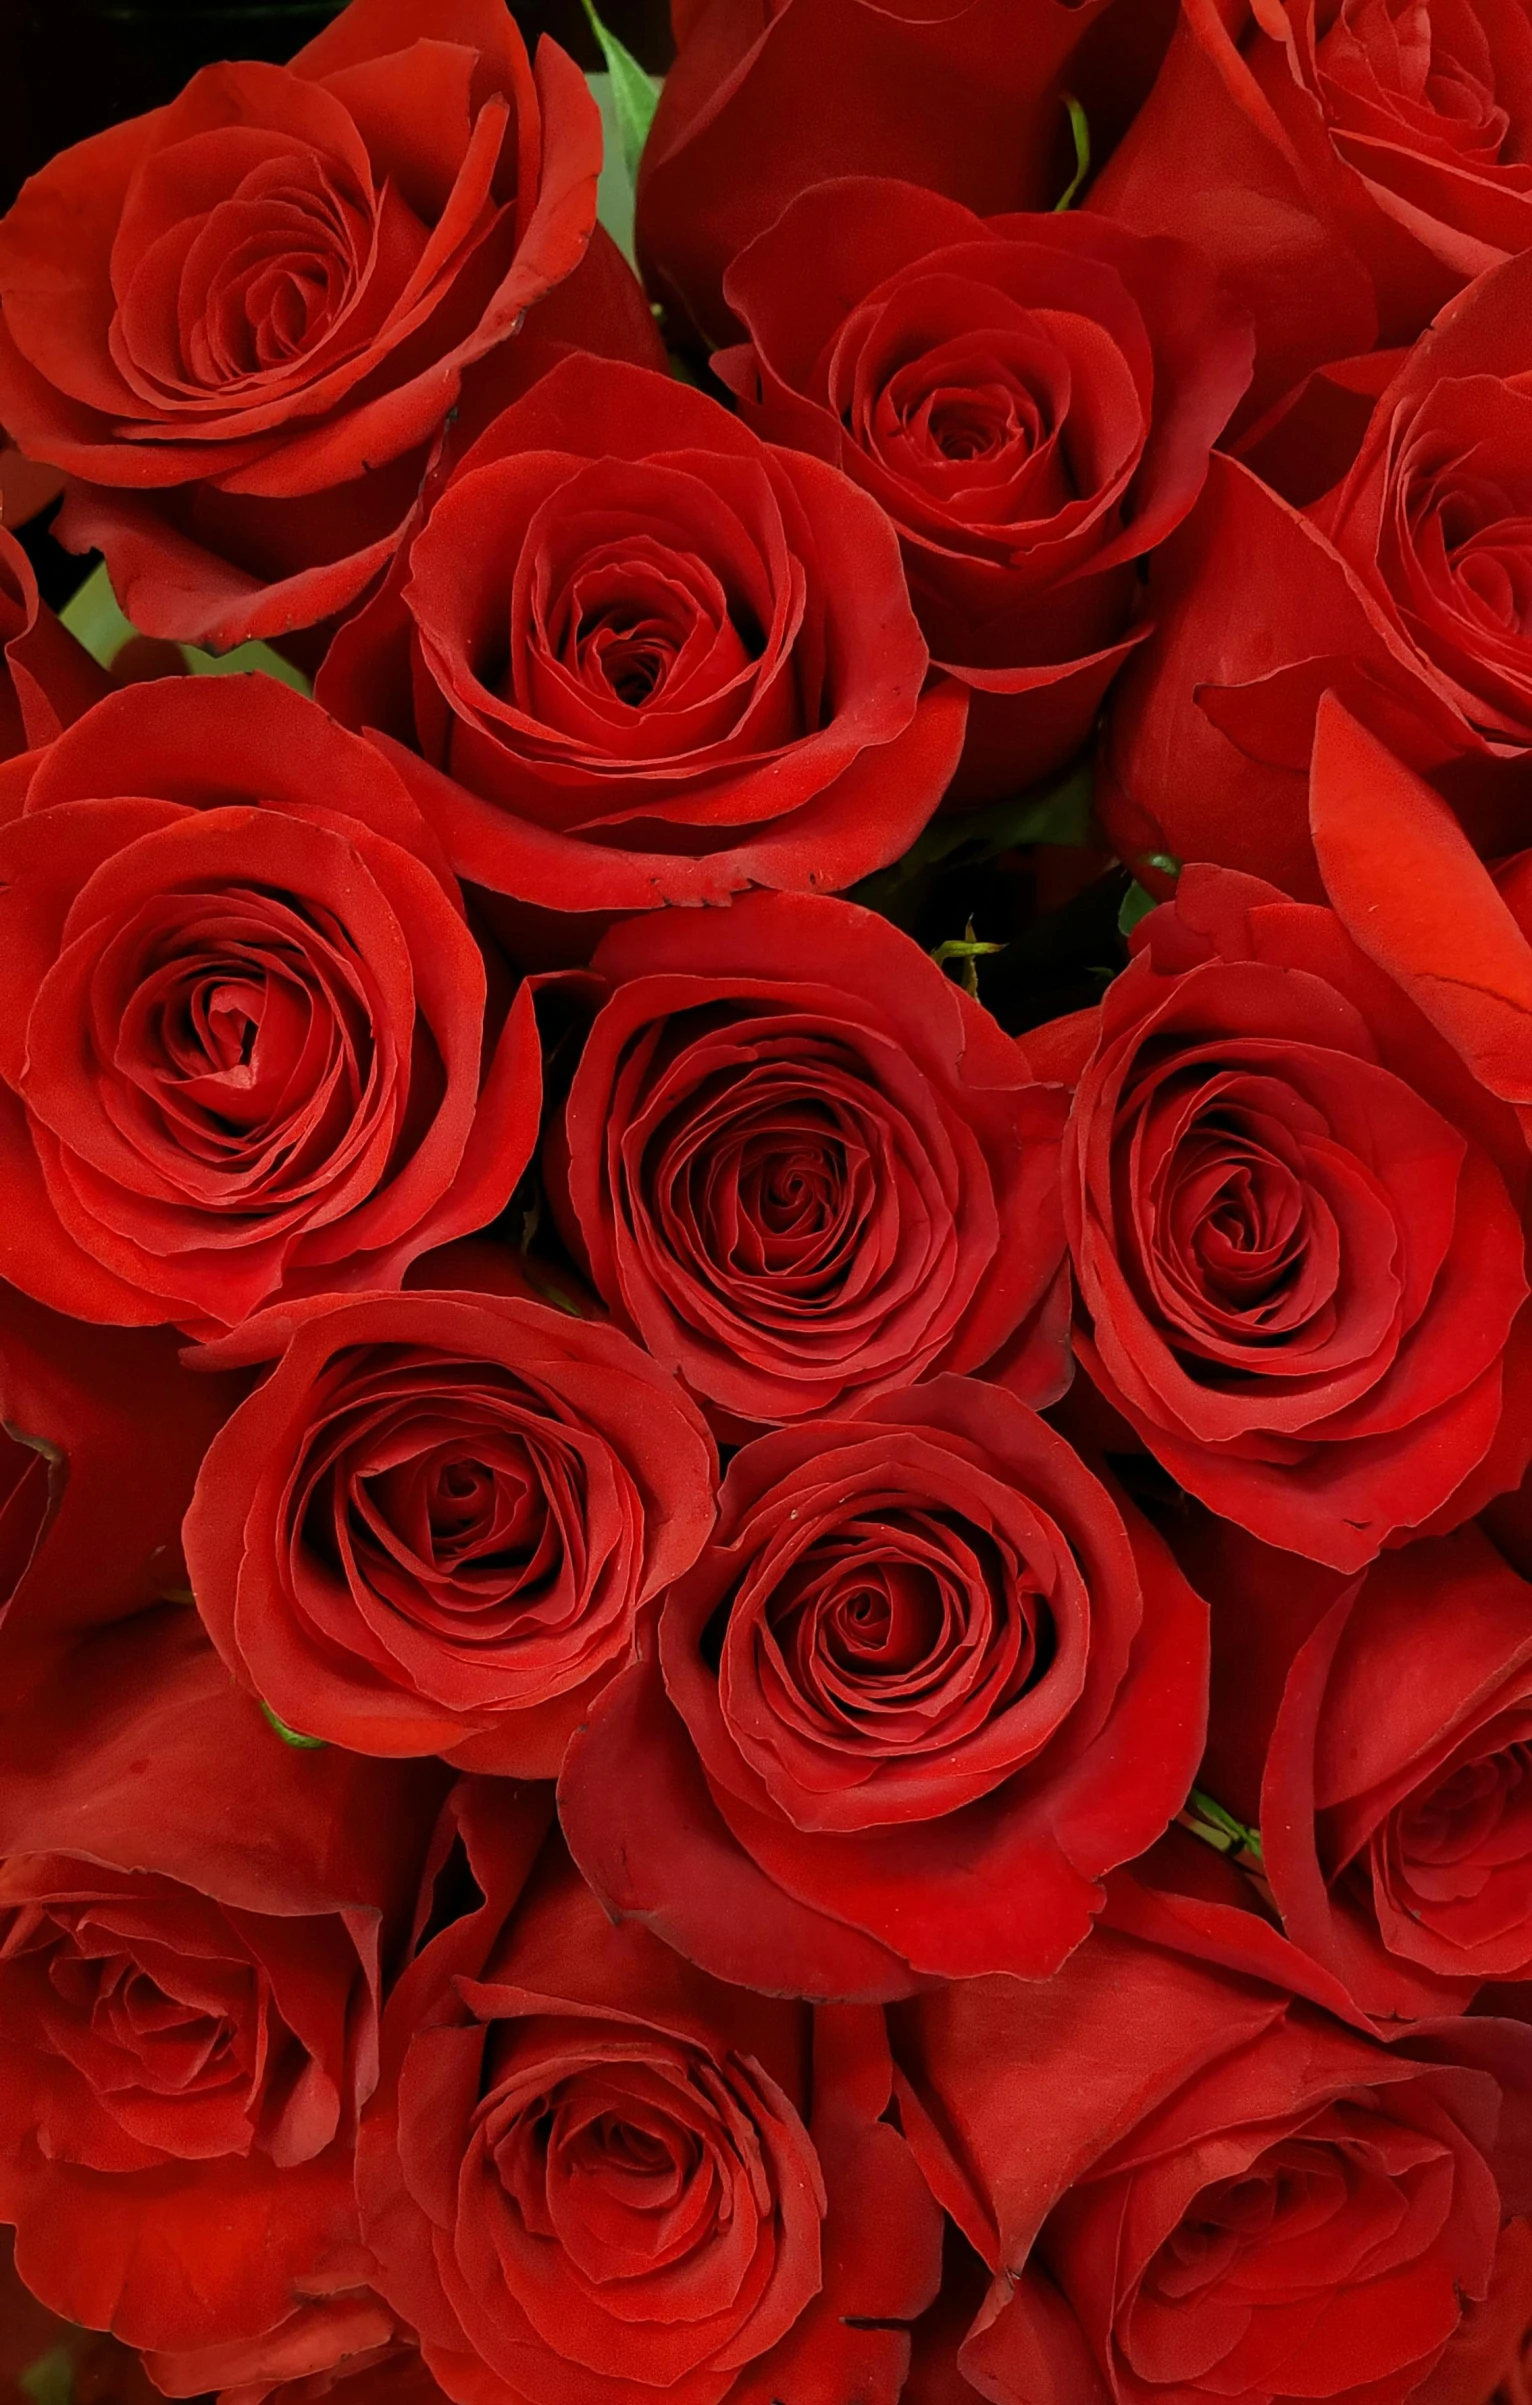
50, 2380
95, 619
1165, 862
635, 92
1079, 126
1137, 903
291, 1736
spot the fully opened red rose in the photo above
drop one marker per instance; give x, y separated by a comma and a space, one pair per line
1190, 2185
193, 1926
1032, 400
594, 2174
927, 1684
646, 658
436, 1525
1347, 164
256, 306
250, 1043
1295, 1222
802, 1165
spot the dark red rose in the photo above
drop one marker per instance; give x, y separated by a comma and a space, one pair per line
1354, 162
250, 1044
769, 97
1032, 400
101, 1434
1295, 1224
929, 1682
193, 1918
1189, 2184
251, 311
438, 1525
592, 2173
802, 1165
1396, 1806
1403, 592
37, 2349
645, 658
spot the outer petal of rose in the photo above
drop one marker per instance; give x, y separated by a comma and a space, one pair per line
1487, 2344
644, 1828
1207, 753
36, 1254
1411, 892
866, 819
1026, 2344
1242, 195
1119, 2030
317, 2337
53, 677
105, 1536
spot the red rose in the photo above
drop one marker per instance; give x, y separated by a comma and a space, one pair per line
591, 2173
245, 1030
1191, 2185
1398, 592
1031, 399
1354, 163
646, 658
802, 1165
1396, 1826
436, 1527
90, 1512
1295, 1224
253, 309
929, 1682
768, 97
192, 1923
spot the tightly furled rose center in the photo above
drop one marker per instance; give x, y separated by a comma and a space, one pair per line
239, 1030
896, 1632
457, 1509
1451, 1866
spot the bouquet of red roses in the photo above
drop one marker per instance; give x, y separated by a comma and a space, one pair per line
765, 1323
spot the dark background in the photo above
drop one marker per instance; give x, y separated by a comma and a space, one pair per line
69, 67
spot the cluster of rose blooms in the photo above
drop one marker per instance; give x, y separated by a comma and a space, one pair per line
718, 1682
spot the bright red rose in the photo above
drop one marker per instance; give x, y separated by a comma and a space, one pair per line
929, 1682
193, 1924
1347, 165
437, 1525
966, 97
250, 1044
1295, 1221
801, 1164
645, 658
594, 2176
252, 310
1396, 1811
1031, 399
1404, 592
101, 1434
1190, 2185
